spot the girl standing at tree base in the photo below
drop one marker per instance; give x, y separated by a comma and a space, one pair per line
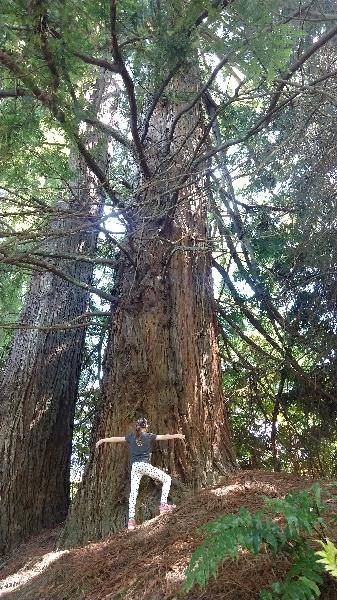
140, 447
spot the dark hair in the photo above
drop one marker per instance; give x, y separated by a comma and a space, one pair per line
140, 424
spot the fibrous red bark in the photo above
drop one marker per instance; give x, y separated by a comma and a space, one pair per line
162, 359
40, 380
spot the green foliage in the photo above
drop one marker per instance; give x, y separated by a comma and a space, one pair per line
254, 21
282, 178
283, 526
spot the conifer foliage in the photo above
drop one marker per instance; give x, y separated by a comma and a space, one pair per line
142, 145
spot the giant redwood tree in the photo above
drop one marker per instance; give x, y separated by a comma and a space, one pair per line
40, 379
162, 358
39, 387
178, 114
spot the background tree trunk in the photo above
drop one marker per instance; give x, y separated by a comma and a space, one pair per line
39, 389
162, 358
40, 380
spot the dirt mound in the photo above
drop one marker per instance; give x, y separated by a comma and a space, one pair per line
149, 563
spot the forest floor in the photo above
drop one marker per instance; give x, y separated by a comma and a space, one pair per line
149, 563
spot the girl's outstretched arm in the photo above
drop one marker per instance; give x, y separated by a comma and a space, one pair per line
112, 440
169, 436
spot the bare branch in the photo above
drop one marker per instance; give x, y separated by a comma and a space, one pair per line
260, 123
100, 62
120, 246
90, 60
51, 104
112, 132
28, 260
130, 90
66, 325
205, 87
78, 258
296, 65
156, 99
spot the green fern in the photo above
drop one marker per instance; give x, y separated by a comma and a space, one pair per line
302, 514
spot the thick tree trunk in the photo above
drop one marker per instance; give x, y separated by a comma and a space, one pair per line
38, 392
40, 380
162, 358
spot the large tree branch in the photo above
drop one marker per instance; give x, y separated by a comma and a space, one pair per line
39, 265
14, 68
99, 62
120, 246
87, 58
41, 20
287, 359
4, 249
202, 17
205, 87
204, 14
246, 364
96, 170
107, 262
112, 132
66, 325
244, 337
15, 93
274, 107
241, 303
298, 64
156, 98
51, 104
130, 90
252, 274
260, 123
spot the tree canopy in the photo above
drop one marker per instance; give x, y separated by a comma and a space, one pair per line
266, 85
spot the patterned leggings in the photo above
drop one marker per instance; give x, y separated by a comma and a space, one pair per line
138, 470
